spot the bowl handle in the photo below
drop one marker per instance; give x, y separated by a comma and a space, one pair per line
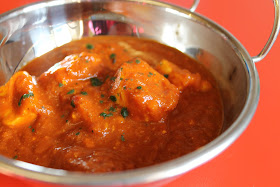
273, 35
194, 5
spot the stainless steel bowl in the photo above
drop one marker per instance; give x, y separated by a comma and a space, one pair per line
30, 31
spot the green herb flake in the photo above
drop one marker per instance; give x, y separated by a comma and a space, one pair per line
139, 87
129, 62
122, 138
101, 102
43, 107
95, 81
87, 61
60, 84
62, 116
102, 95
109, 115
137, 61
113, 98
121, 78
77, 133
103, 114
89, 46
84, 93
113, 57
33, 130
112, 109
73, 104
71, 91
124, 112
113, 78
124, 87
150, 74
25, 96
66, 121
166, 75
15, 157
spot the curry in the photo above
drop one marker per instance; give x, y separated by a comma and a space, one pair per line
107, 103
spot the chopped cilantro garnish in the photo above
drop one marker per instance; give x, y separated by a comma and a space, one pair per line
87, 61
77, 133
89, 46
113, 78
73, 104
121, 78
95, 81
15, 157
25, 96
33, 130
113, 98
124, 87
150, 74
129, 62
71, 91
113, 57
124, 112
122, 138
84, 93
60, 84
112, 109
62, 116
139, 87
101, 102
103, 114
137, 61
102, 95
166, 75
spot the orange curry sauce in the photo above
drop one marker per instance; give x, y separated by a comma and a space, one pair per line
106, 104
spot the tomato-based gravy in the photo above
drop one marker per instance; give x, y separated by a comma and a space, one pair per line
108, 103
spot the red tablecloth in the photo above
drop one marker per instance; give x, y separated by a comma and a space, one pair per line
253, 160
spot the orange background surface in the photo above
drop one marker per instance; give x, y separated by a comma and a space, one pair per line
254, 159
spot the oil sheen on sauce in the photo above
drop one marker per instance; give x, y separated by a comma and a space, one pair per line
107, 103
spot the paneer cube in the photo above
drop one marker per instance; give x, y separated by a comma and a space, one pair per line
18, 101
147, 95
73, 67
182, 78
